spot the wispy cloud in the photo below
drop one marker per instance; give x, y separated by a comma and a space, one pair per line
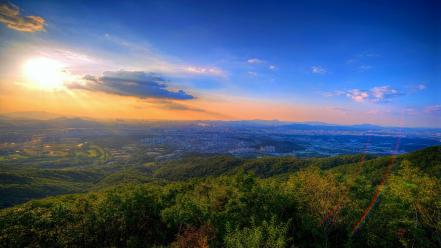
340, 110
409, 111
363, 68
204, 70
150, 59
357, 95
351, 61
316, 69
258, 64
252, 73
137, 47
130, 83
255, 61
10, 16
362, 57
369, 55
272, 67
383, 93
173, 105
334, 93
70, 58
376, 94
433, 109
170, 105
421, 86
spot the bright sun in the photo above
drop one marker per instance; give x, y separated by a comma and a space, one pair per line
45, 73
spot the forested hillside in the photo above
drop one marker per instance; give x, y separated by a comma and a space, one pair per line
347, 201
32, 177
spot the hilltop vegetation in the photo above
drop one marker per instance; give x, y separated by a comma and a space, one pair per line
228, 202
71, 169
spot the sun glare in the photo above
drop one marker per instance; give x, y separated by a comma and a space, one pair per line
44, 73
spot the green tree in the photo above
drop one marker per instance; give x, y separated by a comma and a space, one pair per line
266, 235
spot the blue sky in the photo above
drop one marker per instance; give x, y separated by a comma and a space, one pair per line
371, 58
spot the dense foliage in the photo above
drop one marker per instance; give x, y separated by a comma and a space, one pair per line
268, 202
22, 180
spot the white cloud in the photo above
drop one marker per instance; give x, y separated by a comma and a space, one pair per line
255, 61
382, 93
375, 94
261, 64
316, 69
357, 95
204, 70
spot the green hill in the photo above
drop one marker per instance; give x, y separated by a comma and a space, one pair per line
19, 183
221, 201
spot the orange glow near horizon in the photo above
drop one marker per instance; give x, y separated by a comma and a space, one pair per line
107, 106
41, 85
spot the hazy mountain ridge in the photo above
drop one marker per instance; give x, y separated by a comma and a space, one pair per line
73, 121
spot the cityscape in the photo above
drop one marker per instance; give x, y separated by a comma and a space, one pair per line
159, 140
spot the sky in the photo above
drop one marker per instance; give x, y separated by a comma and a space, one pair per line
343, 62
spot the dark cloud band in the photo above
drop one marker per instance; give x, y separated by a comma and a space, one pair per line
131, 83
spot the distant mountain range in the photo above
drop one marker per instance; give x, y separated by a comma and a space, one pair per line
30, 115
76, 121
